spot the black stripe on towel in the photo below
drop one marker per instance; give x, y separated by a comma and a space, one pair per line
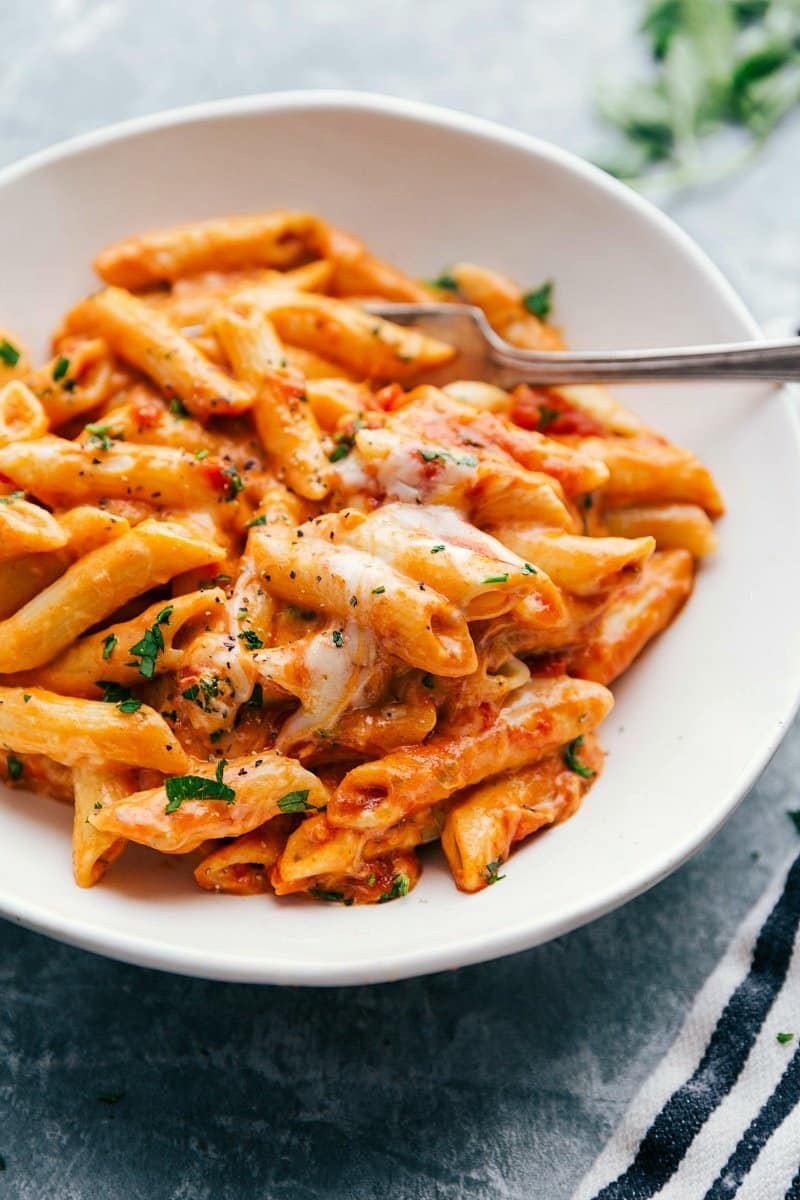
758, 1133
794, 1188
689, 1107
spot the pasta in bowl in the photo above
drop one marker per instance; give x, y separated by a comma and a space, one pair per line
272, 598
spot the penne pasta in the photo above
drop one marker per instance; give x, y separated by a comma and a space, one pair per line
674, 526
21, 414
35, 721
636, 614
482, 824
247, 793
94, 587
414, 622
269, 595
543, 714
96, 784
145, 338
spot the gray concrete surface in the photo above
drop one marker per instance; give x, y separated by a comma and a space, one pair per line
497, 1081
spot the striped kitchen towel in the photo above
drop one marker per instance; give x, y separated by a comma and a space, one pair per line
720, 1116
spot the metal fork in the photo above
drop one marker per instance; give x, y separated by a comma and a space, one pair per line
482, 354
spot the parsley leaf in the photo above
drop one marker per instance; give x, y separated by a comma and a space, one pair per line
783, 1038
108, 645
116, 693
262, 520
15, 767
491, 871
527, 569
496, 578
251, 639
438, 549
321, 894
103, 435
400, 887
338, 637
540, 300
378, 591
12, 497
60, 368
344, 444
235, 483
149, 646
445, 282
9, 354
178, 408
794, 815
196, 787
546, 417
570, 751
296, 802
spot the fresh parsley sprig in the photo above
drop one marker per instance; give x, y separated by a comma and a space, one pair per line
716, 64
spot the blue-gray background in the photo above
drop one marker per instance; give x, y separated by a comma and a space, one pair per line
498, 1081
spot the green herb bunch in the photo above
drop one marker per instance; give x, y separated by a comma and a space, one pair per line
719, 66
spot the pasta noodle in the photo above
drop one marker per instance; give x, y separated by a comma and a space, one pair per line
270, 598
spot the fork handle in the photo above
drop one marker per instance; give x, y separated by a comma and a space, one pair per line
777, 360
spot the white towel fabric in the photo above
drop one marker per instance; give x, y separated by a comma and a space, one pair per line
720, 1116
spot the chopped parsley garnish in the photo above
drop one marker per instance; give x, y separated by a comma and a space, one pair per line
262, 520
794, 815
321, 894
12, 497
108, 645
491, 870
201, 454
496, 578
445, 282
178, 408
400, 887
570, 760
196, 787
15, 767
102, 436
338, 637
60, 368
9, 354
540, 300
465, 460
378, 591
428, 681
527, 569
296, 802
546, 417
783, 1038
370, 880
116, 693
27, 697
438, 549
148, 647
235, 484
202, 693
113, 693
251, 639
344, 444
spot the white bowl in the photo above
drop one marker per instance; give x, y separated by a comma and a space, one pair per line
705, 706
